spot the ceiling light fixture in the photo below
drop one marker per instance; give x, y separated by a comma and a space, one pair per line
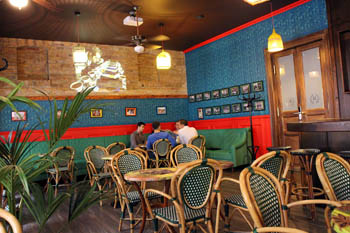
139, 49
255, 2
163, 58
19, 3
275, 42
80, 57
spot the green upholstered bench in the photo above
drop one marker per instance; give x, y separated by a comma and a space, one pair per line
228, 144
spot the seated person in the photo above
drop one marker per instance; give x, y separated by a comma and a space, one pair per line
156, 135
137, 138
185, 132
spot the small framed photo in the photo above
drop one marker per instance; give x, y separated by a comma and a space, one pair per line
20, 116
259, 105
95, 112
192, 98
199, 97
161, 110
130, 111
236, 108
245, 88
215, 94
234, 90
200, 113
226, 109
245, 107
217, 110
208, 111
207, 95
224, 92
258, 86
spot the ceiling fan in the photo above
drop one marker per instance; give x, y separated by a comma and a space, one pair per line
23, 3
138, 41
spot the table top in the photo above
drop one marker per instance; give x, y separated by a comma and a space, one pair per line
340, 220
108, 157
152, 174
223, 163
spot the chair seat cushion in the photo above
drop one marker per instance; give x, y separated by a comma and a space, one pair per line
236, 199
61, 169
134, 196
169, 213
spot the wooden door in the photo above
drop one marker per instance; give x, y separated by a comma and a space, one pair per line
300, 80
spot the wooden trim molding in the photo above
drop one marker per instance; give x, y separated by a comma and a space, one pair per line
112, 97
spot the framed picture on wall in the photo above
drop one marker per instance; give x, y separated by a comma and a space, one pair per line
234, 90
95, 113
259, 105
217, 110
161, 110
245, 88
207, 95
199, 97
258, 86
226, 109
192, 98
215, 94
236, 108
224, 92
208, 111
200, 113
20, 116
245, 107
130, 111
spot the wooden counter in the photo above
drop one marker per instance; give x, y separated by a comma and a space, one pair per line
327, 125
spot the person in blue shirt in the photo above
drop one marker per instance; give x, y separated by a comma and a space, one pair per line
158, 134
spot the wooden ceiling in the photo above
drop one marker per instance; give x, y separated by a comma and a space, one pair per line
187, 22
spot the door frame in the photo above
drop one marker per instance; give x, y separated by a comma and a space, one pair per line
333, 105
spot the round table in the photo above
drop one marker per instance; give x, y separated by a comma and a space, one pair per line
340, 220
108, 157
223, 164
146, 175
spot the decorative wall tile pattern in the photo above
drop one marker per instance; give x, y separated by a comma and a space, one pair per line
239, 58
113, 114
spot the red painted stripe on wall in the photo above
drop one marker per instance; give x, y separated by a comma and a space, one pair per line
250, 23
261, 128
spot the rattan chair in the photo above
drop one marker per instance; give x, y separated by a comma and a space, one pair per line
116, 147
334, 174
11, 220
192, 193
277, 229
161, 151
184, 153
123, 162
96, 167
198, 141
63, 167
265, 198
276, 162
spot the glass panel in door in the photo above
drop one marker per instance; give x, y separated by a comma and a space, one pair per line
288, 85
313, 78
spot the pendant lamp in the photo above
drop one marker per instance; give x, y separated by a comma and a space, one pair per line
275, 42
163, 58
79, 54
19, 3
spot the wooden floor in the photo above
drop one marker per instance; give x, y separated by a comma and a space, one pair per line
105, 219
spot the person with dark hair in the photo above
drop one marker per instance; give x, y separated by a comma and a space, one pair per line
158, 134
137, 138
185, 132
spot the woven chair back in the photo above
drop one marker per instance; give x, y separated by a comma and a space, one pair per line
64, 155
116, 147
334, 173
128, 161
184, 154
276, 162
162, 148
264, 197
94, 154
195, 183
198, 141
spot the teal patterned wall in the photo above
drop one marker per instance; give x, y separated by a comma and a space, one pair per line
239, 58
114, 114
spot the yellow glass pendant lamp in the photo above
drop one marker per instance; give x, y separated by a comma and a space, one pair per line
275, 42
163, 61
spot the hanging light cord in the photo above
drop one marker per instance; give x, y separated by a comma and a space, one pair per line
77, 14
273, 23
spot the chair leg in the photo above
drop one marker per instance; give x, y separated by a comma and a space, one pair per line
100, 191
155, 225
122, 214
327, 220
227, 221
